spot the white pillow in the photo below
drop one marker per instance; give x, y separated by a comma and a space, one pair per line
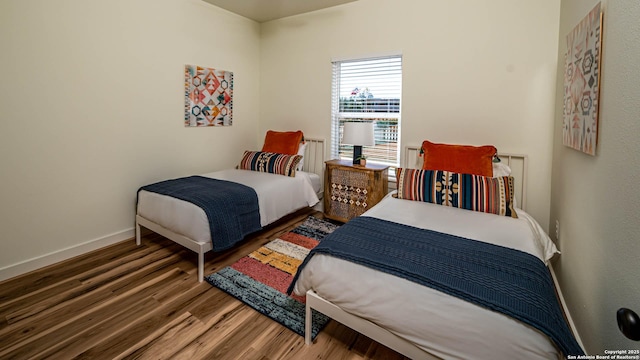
301, 150
500, 169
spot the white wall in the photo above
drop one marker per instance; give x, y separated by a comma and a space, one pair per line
596, 199
474, 72
92, 107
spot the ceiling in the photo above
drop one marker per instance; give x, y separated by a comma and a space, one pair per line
265, 10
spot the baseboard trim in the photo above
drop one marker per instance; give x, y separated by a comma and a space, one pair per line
64, 254
565, 309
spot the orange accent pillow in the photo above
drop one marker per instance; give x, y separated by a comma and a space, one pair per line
282, 142
465, 159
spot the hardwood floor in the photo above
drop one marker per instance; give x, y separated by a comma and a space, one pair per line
128, 301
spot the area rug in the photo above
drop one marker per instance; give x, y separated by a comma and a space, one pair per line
261, 278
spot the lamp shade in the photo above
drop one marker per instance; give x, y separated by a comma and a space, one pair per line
358, 133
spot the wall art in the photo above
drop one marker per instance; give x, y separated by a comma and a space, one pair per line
582, 83
208, 96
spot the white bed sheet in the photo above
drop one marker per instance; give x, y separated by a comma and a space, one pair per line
440, 324
278, 196
316, 182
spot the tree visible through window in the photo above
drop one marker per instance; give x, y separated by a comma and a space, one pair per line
368, 90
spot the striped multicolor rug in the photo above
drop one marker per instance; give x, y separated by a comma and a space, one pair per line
261, 278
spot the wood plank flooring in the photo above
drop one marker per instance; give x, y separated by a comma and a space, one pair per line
127, 301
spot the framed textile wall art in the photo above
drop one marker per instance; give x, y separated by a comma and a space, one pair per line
208, 96
582, 83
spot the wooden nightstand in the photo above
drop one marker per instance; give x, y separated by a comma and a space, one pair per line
350, 190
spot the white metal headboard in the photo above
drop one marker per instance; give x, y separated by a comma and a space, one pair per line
314, 158
517, 162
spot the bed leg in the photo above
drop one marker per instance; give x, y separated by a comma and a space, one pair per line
308, 319
200, 266
137, 233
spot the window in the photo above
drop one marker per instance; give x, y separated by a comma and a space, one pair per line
368, 90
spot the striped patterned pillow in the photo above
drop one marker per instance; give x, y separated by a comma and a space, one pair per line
270, 162
465, 191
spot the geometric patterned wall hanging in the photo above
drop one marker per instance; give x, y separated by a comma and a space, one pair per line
582, 84
208, 96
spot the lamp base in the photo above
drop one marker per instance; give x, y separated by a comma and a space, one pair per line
357, 152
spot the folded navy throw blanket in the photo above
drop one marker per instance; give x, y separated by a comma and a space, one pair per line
506, 280
231, 208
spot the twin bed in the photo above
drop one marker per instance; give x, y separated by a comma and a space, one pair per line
420, 321
188, 225
417, 321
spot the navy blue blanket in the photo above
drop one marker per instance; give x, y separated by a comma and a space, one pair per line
232, 208
501, 279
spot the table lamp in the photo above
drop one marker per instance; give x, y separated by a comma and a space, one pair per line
358, 134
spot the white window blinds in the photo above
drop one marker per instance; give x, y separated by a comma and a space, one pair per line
368, 90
